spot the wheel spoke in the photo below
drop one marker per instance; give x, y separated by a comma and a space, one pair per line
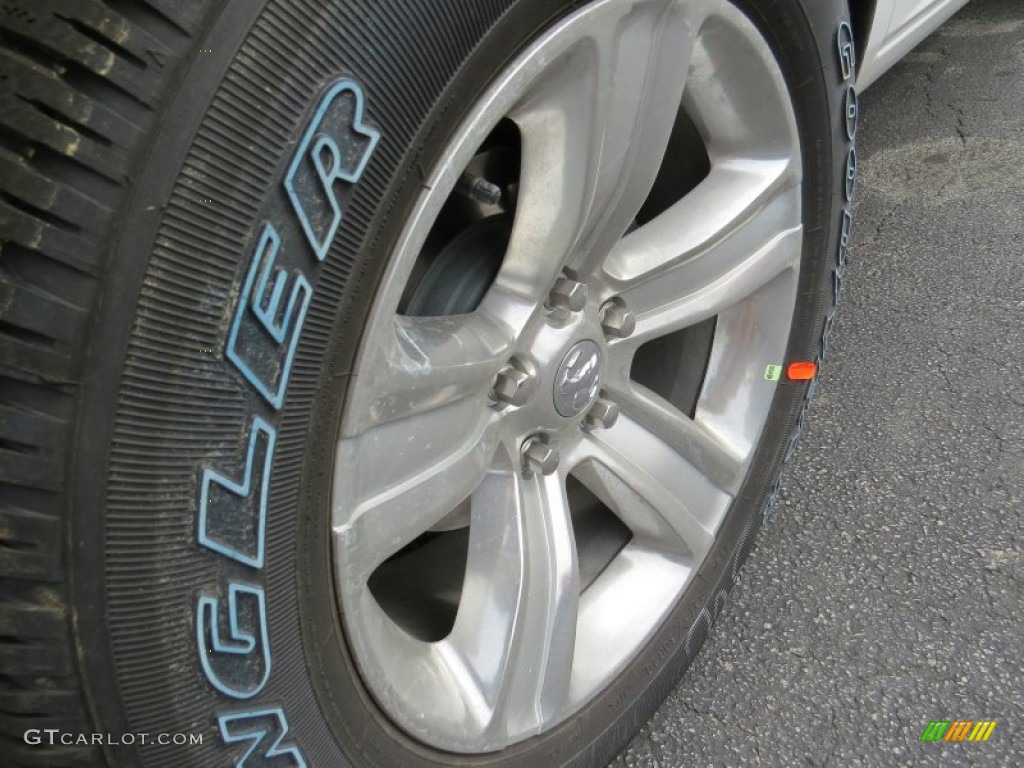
594, 135
735, 399
394, 484
692, 439
478, 649
537, 685
732, 235
736, 95
425, 363
516, 625
668, 503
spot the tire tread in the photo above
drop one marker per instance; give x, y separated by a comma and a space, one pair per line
81, 83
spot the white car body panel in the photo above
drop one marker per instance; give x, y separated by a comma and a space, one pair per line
898, 26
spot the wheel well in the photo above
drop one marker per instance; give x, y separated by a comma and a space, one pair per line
862, 13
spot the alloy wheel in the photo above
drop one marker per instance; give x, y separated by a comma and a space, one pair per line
525, 373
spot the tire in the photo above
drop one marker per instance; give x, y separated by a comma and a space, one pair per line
186, 316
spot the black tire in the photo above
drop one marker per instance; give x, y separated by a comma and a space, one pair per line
142, 146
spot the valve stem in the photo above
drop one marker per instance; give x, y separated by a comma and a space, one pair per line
478, 189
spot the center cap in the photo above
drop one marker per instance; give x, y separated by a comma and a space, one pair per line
578, 379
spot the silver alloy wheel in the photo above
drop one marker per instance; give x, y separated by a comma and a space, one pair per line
595, 100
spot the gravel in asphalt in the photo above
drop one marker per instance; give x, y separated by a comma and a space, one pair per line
889, 589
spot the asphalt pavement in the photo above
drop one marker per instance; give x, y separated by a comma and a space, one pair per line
888, 591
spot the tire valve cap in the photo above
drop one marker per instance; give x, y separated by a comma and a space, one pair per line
478, 189
602, 415
539, 457
801, 371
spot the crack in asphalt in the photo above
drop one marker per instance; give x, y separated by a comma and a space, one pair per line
961, 124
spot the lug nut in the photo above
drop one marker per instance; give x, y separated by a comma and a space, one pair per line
568, 294
617, 321
602, 415
539, 457
513, 386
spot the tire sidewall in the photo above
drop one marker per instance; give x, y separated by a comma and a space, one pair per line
331, 718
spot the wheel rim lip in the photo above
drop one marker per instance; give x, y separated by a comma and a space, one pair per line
375, 640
